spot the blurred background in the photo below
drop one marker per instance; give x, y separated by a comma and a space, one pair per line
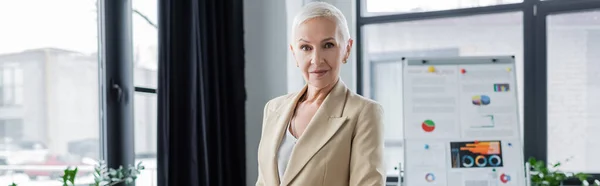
50, 104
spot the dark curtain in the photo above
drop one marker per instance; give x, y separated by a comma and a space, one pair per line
201, 94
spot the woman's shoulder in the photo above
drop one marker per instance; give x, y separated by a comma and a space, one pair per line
361, 101
276, 102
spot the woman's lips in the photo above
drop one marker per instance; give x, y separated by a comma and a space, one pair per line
319, 73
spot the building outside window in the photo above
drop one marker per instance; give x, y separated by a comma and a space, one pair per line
49, 89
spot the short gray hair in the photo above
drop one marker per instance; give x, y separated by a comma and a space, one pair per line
322, 9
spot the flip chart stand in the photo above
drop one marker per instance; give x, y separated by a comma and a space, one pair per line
400, 182
527, 173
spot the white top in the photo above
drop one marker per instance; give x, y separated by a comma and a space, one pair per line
285, 151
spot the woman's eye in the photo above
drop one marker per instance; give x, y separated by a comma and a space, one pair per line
305, 48
329, 45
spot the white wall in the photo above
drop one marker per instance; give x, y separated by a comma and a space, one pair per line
265, 48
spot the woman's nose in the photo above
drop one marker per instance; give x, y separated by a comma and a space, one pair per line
316, 59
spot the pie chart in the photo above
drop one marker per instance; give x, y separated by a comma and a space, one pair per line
504, 178
430, 177
428, 125
481, 100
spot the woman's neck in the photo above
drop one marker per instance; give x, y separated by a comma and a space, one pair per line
318, 95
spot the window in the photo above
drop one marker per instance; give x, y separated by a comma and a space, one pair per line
146, 136
386, 44
573, 90
145, 43
145, 48
11, 85
49, 106
385, 7
555, 40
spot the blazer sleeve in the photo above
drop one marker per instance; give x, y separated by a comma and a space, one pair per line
259, 180
366, 161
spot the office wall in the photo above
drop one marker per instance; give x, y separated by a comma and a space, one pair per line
265, 50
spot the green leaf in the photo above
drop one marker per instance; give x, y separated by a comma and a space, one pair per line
73, 175
582, 176
97, 179
112, 172
13, 184
556, 165
539, 165
587, 182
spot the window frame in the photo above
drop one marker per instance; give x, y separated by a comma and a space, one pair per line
535, 58
115, 53
545, 9
116, 82
12, 86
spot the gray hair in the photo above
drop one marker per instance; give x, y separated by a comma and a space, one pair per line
321, 9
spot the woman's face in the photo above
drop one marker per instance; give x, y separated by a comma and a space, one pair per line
319, 51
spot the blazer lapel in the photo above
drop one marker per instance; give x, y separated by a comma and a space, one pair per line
281, 116
324, 124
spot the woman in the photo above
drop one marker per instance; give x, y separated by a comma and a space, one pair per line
324, 134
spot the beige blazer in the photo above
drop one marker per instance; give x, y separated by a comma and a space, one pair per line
342, 144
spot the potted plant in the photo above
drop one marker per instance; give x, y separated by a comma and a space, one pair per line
103, 176
550, 175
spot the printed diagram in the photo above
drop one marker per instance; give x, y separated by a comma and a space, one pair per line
476, 154
428, 126
504, 178
501, 87
481, 100
485, 121
429, 177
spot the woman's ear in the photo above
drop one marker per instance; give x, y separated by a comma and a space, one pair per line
349, 48
294, 55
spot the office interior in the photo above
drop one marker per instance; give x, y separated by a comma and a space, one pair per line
161, 81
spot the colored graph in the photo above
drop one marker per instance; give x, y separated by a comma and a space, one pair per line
504, 178
428, 125
486, 121
501, 87
476, 154
481, 100
429, 177
484, 148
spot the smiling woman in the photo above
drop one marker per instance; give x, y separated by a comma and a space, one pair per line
319, 50
323, 132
